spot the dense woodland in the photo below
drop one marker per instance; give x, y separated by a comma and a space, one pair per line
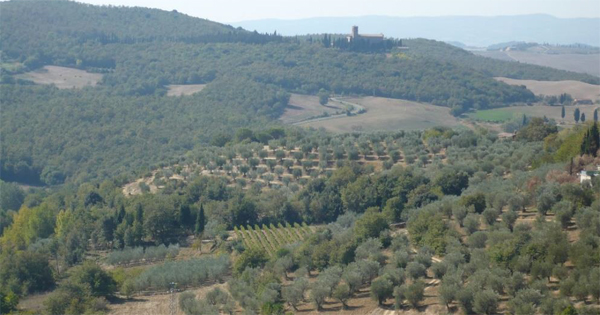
127, 123
496, 224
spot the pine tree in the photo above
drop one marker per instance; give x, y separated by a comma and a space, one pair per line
562, 113
576, 115
200, 221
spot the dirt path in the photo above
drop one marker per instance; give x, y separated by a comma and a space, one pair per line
356, 109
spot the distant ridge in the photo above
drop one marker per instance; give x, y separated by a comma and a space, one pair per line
478, 31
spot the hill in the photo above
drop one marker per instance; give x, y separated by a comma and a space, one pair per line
478, 31
127, 121
577, 58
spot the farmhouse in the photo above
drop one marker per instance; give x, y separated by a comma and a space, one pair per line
586, 176
371, 38
582, 102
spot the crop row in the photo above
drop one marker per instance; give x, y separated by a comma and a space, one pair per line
271, 237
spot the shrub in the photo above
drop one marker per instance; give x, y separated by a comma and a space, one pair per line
485, 302
184, 273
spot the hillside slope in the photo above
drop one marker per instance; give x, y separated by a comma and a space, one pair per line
127, 121
480, 31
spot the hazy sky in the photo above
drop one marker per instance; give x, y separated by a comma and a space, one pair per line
228, 11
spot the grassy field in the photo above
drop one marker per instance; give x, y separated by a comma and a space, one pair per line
583, 63
62, 77
386, 114
302, 107
579, 90
551, 112
493, 115
184, 89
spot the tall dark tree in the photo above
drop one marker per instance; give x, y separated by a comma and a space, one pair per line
577, 115
595, 115
185, 216
524, 120
139, 213
562, 112
121, 214
582, 117
200, 221
591, 141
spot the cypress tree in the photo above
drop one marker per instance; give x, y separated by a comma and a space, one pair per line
576, 115
585, 144
595, 115
562, 113
185, 217
121, 214
200, 220
594, 142
582, 117
139, 213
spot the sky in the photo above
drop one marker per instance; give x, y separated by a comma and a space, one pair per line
229, 11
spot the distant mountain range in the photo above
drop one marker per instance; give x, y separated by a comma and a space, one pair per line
475, 31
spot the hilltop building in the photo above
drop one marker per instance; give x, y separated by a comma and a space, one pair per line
371, 38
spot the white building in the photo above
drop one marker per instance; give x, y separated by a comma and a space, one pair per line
585, 176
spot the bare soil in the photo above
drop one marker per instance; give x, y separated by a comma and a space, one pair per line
577, 89
184, 89
62, 77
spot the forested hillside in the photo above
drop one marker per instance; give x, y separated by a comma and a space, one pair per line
496, 68
127, 122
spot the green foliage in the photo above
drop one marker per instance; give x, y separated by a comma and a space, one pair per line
381, 289
8, 301
11, 197
536, 130
476, 200
370, 225
414, 293
251, 258
200, 221
428, 229
452, 182
185, 272
591, 141
485, 302
24, 272
91, 275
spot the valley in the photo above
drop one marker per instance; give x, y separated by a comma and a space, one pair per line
153, 162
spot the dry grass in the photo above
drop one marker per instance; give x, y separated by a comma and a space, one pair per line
386, 114
33, 303
583, 63
302, 107
157, 304
577, 89
184, 89
62, 77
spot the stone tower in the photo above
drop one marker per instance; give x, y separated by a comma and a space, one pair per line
355, 31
